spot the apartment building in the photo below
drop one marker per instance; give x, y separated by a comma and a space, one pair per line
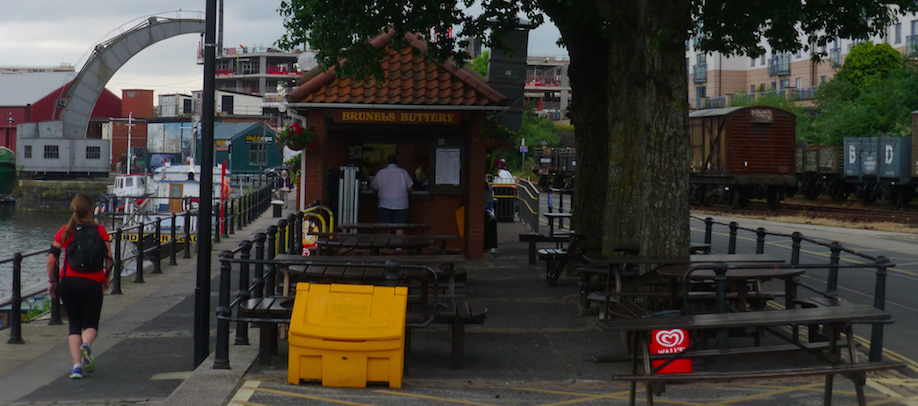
547, 86
715, 79
13, 70
255, 70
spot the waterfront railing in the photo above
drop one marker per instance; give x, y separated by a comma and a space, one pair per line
232, 214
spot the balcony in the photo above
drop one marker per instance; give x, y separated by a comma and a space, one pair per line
911, 43
708, 103
835, 58
806, 93
779, 66
700, 72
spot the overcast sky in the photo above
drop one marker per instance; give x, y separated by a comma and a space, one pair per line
52, 32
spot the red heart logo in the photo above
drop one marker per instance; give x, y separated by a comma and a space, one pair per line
670, 338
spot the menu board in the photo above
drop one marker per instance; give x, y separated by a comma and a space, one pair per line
448, 166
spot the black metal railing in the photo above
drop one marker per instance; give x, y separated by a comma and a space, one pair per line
239, 212
527, 196
836, 249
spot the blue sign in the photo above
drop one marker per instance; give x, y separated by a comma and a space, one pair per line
524, 148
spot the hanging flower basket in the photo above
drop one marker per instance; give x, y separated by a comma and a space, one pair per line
296, 137
494, 135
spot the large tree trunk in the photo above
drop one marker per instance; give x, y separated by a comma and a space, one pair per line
588, 75
648, 107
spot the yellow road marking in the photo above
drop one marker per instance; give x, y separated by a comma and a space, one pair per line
247, 403
894, 397
765, 394
302, 396
558, 392
245, 393
414, 395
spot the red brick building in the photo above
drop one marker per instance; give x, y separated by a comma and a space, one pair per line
422, 111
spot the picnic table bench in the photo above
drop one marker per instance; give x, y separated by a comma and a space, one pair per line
836, 319
375, 243
390, 227
269, 312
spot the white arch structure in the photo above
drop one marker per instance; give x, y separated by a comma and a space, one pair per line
76, 105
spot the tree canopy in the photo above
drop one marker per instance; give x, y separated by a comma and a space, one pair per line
627, 73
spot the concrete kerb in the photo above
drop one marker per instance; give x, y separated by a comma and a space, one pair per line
24, 367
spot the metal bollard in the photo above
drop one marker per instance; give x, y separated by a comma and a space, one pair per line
731, 248
760, 240
259, 278
232, 216
832, 280
291, 234
299, 232
186, 249
221, 356
172, 241
796, 239
879, 302
271, 277
158, 247
216, 215
708, 230
281, 237
242, 328
16, 306
116, 268
720, 287
138, 276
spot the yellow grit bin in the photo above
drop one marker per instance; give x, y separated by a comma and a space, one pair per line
346, 335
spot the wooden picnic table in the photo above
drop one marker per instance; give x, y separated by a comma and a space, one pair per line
836, 319
738, 279
616, 265
551, 220
378, 227
376, 242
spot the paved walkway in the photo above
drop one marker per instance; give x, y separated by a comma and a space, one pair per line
534, 349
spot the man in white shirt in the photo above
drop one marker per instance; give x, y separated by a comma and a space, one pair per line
393, 184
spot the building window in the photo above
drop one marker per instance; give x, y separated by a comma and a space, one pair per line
897, 33
914, 27
799, 83
701, 92
762, 60
774, 86
822, 79
785, 84
52, 152
752, 62
93, 152
27, 151
258, 154
752, 88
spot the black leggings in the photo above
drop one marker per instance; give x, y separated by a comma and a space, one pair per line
82, 299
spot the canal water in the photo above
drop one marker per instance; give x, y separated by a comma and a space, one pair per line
26, 232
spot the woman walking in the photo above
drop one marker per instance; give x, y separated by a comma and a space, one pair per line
83, 278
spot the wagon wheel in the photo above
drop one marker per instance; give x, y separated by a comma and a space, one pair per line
904, 196
837, 192
773, 196
700, 195
732, 197
811, 189
869, 193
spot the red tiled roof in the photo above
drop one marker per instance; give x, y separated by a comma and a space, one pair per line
410, 80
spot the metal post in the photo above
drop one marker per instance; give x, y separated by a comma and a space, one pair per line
258, 280
158, 247
731, 248
217, 223
291, 234
879, 302
56, 300
796, 239
298, 244
242, 328
271, 278
187, 247
116, 276
832, 282
760, 240
221, 357
138, 276
16, 306
232, 216
708, 230
281, 237
172, 240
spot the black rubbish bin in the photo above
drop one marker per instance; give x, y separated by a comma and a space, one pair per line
504, 202
490, 232
278, 208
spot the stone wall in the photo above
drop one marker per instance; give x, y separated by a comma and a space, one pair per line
56, 194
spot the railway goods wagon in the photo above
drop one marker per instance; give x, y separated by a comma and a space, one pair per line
555, 166
819, 171
880, 167
742, 153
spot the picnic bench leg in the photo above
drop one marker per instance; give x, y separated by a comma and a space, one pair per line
833, 333
859, 379
264, 343
457, 340
634, 369
532, 251
648, 370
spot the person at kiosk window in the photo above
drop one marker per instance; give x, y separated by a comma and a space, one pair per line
393, 184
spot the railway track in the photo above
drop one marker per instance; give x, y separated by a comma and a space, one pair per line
846, 214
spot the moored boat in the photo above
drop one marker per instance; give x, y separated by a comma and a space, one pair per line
7, 171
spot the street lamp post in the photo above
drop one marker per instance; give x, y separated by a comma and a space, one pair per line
9, 129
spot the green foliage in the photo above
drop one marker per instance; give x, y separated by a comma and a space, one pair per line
868, 62
480, 63
293, 167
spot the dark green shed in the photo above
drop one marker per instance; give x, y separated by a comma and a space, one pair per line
245, 147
